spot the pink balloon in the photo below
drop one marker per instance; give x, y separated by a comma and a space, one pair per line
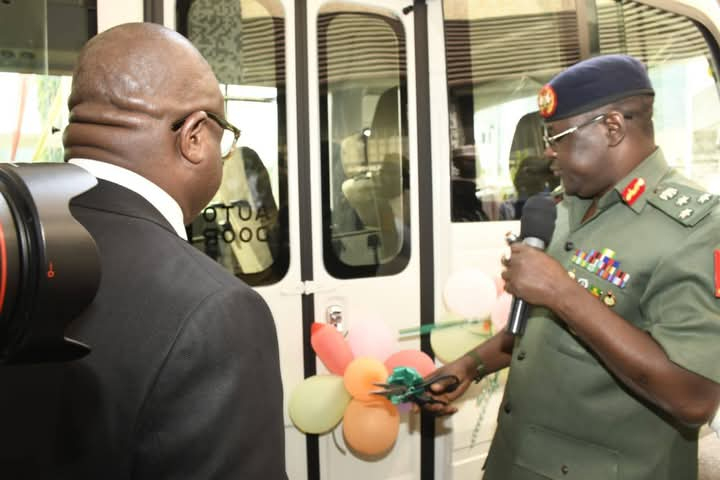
404, 407
499, 285
371, 338
416, 359
500, 311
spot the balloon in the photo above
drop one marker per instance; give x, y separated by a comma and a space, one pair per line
420, 361
451, 343
372, 338
360, 376
404, 407
330, 346
318, 403
470, 293
481, 328
499, 285
500, 311
370, 428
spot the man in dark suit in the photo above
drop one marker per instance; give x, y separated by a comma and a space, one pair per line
183, 379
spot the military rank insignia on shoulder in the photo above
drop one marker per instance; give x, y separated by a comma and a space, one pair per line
682, 203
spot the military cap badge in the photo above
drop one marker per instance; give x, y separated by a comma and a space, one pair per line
547, 101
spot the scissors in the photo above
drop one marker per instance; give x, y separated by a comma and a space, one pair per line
401, 389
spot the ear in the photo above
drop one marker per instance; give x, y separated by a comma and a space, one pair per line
193, 137
616, 127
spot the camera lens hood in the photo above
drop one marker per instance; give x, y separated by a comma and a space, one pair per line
49, 265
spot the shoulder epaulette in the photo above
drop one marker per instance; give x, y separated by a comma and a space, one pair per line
683, 203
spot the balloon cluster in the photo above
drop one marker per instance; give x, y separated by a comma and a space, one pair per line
480, 300
370, 423
478, 307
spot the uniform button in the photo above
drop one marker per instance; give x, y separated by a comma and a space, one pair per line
507, 407
564, 469
569, 246
521, 356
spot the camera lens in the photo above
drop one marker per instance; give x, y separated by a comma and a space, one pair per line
49, 267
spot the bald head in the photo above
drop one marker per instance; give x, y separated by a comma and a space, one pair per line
131, 84
142, 68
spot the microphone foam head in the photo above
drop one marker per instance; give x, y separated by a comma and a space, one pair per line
538, 218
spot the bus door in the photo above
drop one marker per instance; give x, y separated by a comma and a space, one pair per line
316, 208
363, 188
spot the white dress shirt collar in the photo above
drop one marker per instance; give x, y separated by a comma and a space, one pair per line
157, 197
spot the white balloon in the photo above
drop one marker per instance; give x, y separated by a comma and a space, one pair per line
470, 293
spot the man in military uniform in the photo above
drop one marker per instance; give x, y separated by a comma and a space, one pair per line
618, 366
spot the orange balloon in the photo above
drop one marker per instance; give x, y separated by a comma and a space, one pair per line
370, 428
361, 374
416, 359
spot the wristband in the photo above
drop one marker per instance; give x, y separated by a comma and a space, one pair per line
479, 365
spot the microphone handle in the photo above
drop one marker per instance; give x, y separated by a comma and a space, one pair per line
518, 310
518, 319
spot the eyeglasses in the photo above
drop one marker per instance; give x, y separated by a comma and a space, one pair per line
551, 141
230, 134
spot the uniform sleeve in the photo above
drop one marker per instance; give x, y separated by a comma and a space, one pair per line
681, 302
215, 411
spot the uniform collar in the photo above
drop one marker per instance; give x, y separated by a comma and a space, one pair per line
633, 189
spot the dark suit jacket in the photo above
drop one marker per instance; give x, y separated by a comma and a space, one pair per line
183, 380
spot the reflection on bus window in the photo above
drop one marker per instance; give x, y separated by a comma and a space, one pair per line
687, 110
245, 225
34, 115
39, 43
364, 143
495, 67
529, 167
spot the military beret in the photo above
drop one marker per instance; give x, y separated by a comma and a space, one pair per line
592, 83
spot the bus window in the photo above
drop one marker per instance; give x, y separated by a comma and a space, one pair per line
39, 43
680, 65
245, 226
363, 140
495, 67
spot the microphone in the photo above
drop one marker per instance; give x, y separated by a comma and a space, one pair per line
536, 229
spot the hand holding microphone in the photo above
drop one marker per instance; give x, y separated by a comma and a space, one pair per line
536, 229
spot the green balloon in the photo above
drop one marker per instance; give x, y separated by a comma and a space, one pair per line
317, 405
451, 343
